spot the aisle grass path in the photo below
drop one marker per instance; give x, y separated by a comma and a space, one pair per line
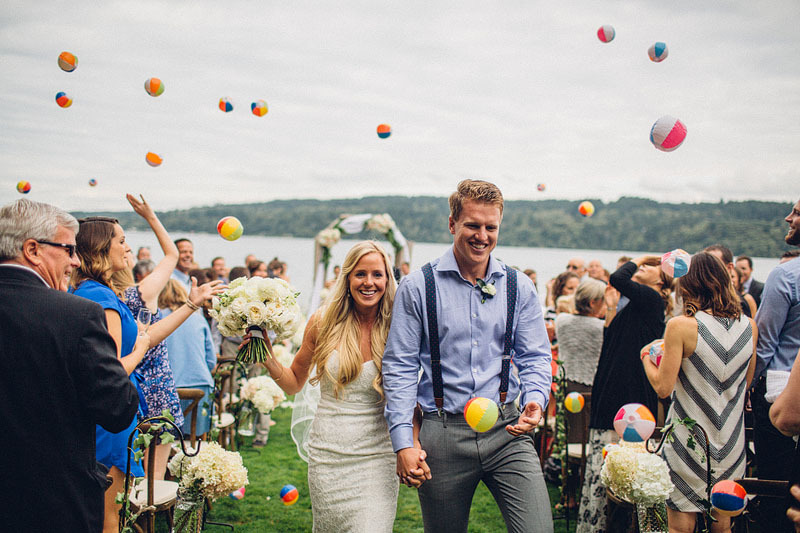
276, 464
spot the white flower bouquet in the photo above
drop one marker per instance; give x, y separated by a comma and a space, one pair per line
254, 306
380, 223
214, 472
635, 475
263, 393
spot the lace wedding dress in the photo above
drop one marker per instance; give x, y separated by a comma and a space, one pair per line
351, 466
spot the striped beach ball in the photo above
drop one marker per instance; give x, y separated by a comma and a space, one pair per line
541, 187
676, 263
634, 422
656, 352
574, 402
67, 61
225, 105
92, 182
154, 86
658, 52
259, 108
608, 448
728, 497
153, 160
480, 414
667, 133
63, 100
384, 130
606, 33
229, 228
23, 187
586, 208
238, 494
289, 495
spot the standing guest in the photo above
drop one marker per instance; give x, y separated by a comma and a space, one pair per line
258, 268
622, 260
606, 276
724, 254
751, 286
785, 416
331, 282
580, 336
143, 254
789, 255
142, 269
563, 285
576, 265
708, 364
476, 325
778, 321
531, 273
249, 259
736, 278
595, 269
620, 378
238, 272
220, 270
405, 269
185, 262
59, 377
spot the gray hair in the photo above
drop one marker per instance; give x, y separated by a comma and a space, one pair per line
143, 268
588, 291
26, 219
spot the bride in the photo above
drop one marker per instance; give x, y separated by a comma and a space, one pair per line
351, 466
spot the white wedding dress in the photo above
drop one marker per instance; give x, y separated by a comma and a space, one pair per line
351, 466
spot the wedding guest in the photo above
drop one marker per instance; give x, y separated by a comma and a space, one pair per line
59, 377
143, 254
725, 255
785, 416
258, 268
238, 272
531, 273
620, 378
576, 265
736, 279
249, 259
564, 285
479, 318
142, 269
349, 450
595, 269
220, 270
789, 255
709, 354
185, 262
405, 269
331, 282
622, 260
750, 285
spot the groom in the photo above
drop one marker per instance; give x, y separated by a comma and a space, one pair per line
480, 310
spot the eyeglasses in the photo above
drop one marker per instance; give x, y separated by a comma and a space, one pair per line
70, 248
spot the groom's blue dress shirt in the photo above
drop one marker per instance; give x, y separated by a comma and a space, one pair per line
778, 319
471, 345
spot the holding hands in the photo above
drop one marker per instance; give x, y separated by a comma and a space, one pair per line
412, 469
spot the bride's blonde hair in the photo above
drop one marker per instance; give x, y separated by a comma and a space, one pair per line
339, 330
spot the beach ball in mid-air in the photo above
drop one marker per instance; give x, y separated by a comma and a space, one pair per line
608, 447
24, 187
238, 494
259, 108
658, 52
289, 495
63, 100
667, 133
481, 414
540, 187
676, 263
634, 422
384, 130
225, 105
154, 86
606, 33
574, 402
656, 352
153, 160
728, 497
92, 182
586, 208
67, 61
229, 228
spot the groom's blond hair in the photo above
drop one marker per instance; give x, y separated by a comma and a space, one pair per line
477, 191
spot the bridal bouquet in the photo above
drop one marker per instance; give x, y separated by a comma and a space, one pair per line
254, 306
635, 475
213, 473
263, 393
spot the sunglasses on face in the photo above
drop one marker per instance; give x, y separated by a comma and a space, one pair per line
70, 248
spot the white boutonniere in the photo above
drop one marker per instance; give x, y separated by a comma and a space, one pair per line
488, 289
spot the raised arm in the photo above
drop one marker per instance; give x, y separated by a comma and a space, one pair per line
292, 379
151, 286
621, 280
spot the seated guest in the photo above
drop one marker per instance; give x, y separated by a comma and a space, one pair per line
59, 377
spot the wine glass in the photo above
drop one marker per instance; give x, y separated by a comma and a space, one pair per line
143, 318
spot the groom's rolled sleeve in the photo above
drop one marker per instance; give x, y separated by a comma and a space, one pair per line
532, 355
401, 363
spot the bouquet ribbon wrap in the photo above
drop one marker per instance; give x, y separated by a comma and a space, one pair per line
255, 350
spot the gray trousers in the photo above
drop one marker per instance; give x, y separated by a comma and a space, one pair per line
460, 458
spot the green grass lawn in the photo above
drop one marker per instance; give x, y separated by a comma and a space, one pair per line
276, 464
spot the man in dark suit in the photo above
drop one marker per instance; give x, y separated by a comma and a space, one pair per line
59, 376
750, 286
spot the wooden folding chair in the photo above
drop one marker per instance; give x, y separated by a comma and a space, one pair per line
195, 395
226, 375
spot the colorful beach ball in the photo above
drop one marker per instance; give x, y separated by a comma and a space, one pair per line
67, 61
289, 495
658, 52
574, 402
63, 100
481, 414
225, 105
153, 160
676, 263
384, 130
586, 208
609, 447
238, 494
540, 187
656, 352
667, 133
728, 497
259, 108
92, 182
606, 33
154, 86
24, 187
634, 422
229, 228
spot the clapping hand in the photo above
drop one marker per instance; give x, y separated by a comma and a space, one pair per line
199, 295
528, 420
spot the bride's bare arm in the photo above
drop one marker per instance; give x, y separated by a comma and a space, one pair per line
292, 379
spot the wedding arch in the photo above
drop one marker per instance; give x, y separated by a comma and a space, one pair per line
351, 224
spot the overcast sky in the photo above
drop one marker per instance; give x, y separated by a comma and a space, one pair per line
516, 92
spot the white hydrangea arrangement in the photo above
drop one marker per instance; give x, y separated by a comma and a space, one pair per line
635, 475
380, 223
214, 472
263, 393
329, 237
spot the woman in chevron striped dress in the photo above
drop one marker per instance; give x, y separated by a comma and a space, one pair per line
708, 363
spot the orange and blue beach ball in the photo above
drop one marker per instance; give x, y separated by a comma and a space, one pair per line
63, 100
289, 495
728, 497
384, 130
23, 187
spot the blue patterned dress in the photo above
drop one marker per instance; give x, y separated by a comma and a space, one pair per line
158, 384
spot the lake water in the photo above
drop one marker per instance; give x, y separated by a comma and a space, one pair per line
299, 255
